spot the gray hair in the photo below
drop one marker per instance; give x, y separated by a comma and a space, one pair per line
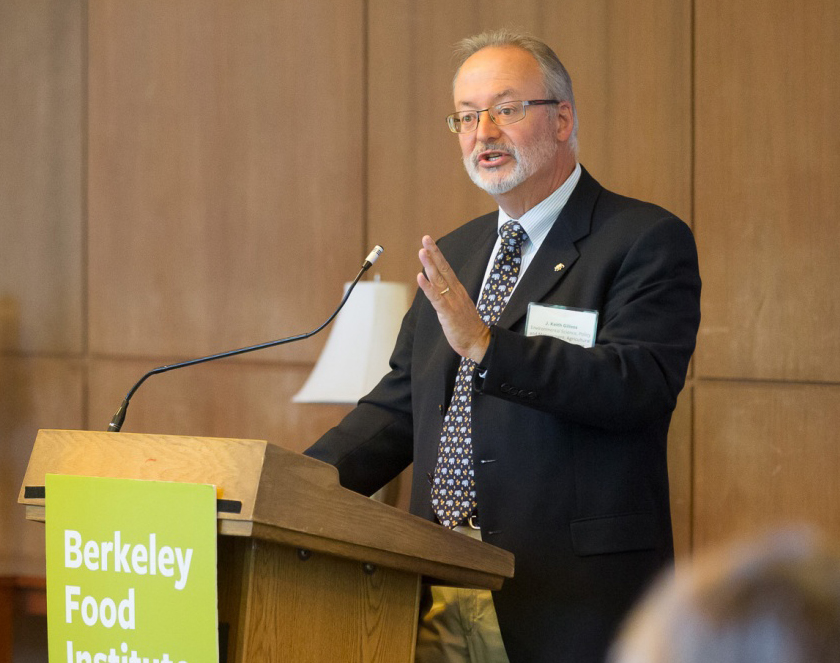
558, 83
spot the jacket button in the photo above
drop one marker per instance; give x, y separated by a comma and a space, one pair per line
522, 393
532, 395
505, 388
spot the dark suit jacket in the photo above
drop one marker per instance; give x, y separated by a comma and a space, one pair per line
569, 443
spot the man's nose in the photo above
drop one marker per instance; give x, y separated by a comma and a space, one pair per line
487, 129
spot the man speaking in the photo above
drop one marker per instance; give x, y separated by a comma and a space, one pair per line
534, 377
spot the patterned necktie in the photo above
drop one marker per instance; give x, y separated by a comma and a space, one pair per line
453, 485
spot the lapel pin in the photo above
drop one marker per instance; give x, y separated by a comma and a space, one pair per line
559, 266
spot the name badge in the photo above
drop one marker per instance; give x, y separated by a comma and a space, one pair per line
573, 325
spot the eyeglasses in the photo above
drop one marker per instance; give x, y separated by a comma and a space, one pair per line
464, 122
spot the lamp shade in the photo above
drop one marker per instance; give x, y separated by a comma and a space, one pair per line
360, 343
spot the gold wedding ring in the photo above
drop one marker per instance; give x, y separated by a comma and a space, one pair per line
443, 292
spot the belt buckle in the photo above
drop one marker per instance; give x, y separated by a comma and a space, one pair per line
472, 521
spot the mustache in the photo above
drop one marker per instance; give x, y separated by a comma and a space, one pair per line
494, 147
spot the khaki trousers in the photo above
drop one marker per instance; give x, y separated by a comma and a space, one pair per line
458, 625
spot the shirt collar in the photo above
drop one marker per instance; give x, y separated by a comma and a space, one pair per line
538, 220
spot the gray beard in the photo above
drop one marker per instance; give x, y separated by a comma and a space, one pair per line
528, 160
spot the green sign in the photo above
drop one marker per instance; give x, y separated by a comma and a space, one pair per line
131, 571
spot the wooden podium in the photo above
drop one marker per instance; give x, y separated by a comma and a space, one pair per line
308, 571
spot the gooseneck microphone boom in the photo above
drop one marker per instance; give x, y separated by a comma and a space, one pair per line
119, 416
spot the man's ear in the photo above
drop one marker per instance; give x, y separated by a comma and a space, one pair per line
565, 121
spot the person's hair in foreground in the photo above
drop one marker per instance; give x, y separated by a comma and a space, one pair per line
776, 600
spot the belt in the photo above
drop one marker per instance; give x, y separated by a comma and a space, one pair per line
470, 521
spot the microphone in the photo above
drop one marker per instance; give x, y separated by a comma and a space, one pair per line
119, 416
373, 256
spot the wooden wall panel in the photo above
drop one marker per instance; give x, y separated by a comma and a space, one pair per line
631, 67
41, 125
225, 169
680, 473
238, 400
416, 183
34, 393
766, 455
632, 89
767, 198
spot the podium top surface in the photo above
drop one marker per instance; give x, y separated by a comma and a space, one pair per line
276, 495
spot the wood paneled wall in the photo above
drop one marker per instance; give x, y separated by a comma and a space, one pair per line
42, 300
767, 203
184, 176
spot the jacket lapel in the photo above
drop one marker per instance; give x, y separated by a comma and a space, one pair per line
471, 274
573, 223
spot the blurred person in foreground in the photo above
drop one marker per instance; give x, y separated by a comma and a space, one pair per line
776, 600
